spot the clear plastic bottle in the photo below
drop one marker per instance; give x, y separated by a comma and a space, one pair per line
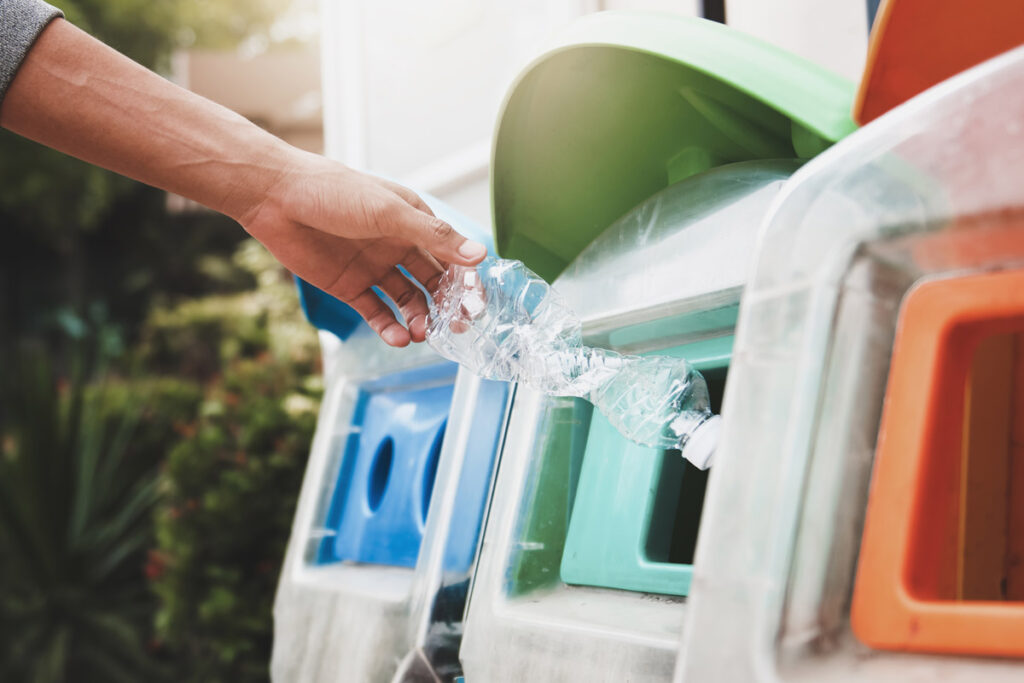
502, 321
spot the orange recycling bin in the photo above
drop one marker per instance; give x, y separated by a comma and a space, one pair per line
941, 565
916, 44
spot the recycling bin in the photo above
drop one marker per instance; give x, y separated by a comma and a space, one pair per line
633, 165
864, 518
385, 535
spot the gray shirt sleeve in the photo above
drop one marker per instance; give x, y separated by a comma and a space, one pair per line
21, 22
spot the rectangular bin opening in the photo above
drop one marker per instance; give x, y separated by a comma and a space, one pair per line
940, 565
382, 491
541, 533
989, 562
971, 546
637, 510
679, 500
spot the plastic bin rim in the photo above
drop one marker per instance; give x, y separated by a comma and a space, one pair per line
616, 29
806, 93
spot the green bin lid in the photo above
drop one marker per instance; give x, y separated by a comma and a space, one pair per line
628, 104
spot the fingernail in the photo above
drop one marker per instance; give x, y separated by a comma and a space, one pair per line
471, 250
395, 335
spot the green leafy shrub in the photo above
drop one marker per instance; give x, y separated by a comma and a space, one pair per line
229, 495
194, 337
78, 481
165, 405
197, 337
230, 483
78, 487
74, 233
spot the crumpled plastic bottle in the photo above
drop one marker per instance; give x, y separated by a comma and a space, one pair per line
502, 321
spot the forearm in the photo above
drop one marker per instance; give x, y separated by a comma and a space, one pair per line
346, 232
77, 95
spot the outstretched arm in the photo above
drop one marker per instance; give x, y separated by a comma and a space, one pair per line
339, 229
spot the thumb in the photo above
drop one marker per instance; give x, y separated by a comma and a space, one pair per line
440, 239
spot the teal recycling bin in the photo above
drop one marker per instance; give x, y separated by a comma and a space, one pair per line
633, 165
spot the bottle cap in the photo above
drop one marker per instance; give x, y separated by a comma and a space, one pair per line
700, 447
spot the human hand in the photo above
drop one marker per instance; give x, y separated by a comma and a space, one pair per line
346, 232
343, 231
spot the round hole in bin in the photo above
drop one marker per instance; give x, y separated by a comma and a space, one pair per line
380, 471
430, 471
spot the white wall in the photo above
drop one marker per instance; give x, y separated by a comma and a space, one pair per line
412, 88
833, 33
690, 8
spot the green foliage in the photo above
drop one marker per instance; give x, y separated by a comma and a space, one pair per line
164, 406
78, 486
126, 256
230, 485
194, 337
60, 193
189, 480
197, 337
75, 233
83, 466
226, 23
229, 495
145, 30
